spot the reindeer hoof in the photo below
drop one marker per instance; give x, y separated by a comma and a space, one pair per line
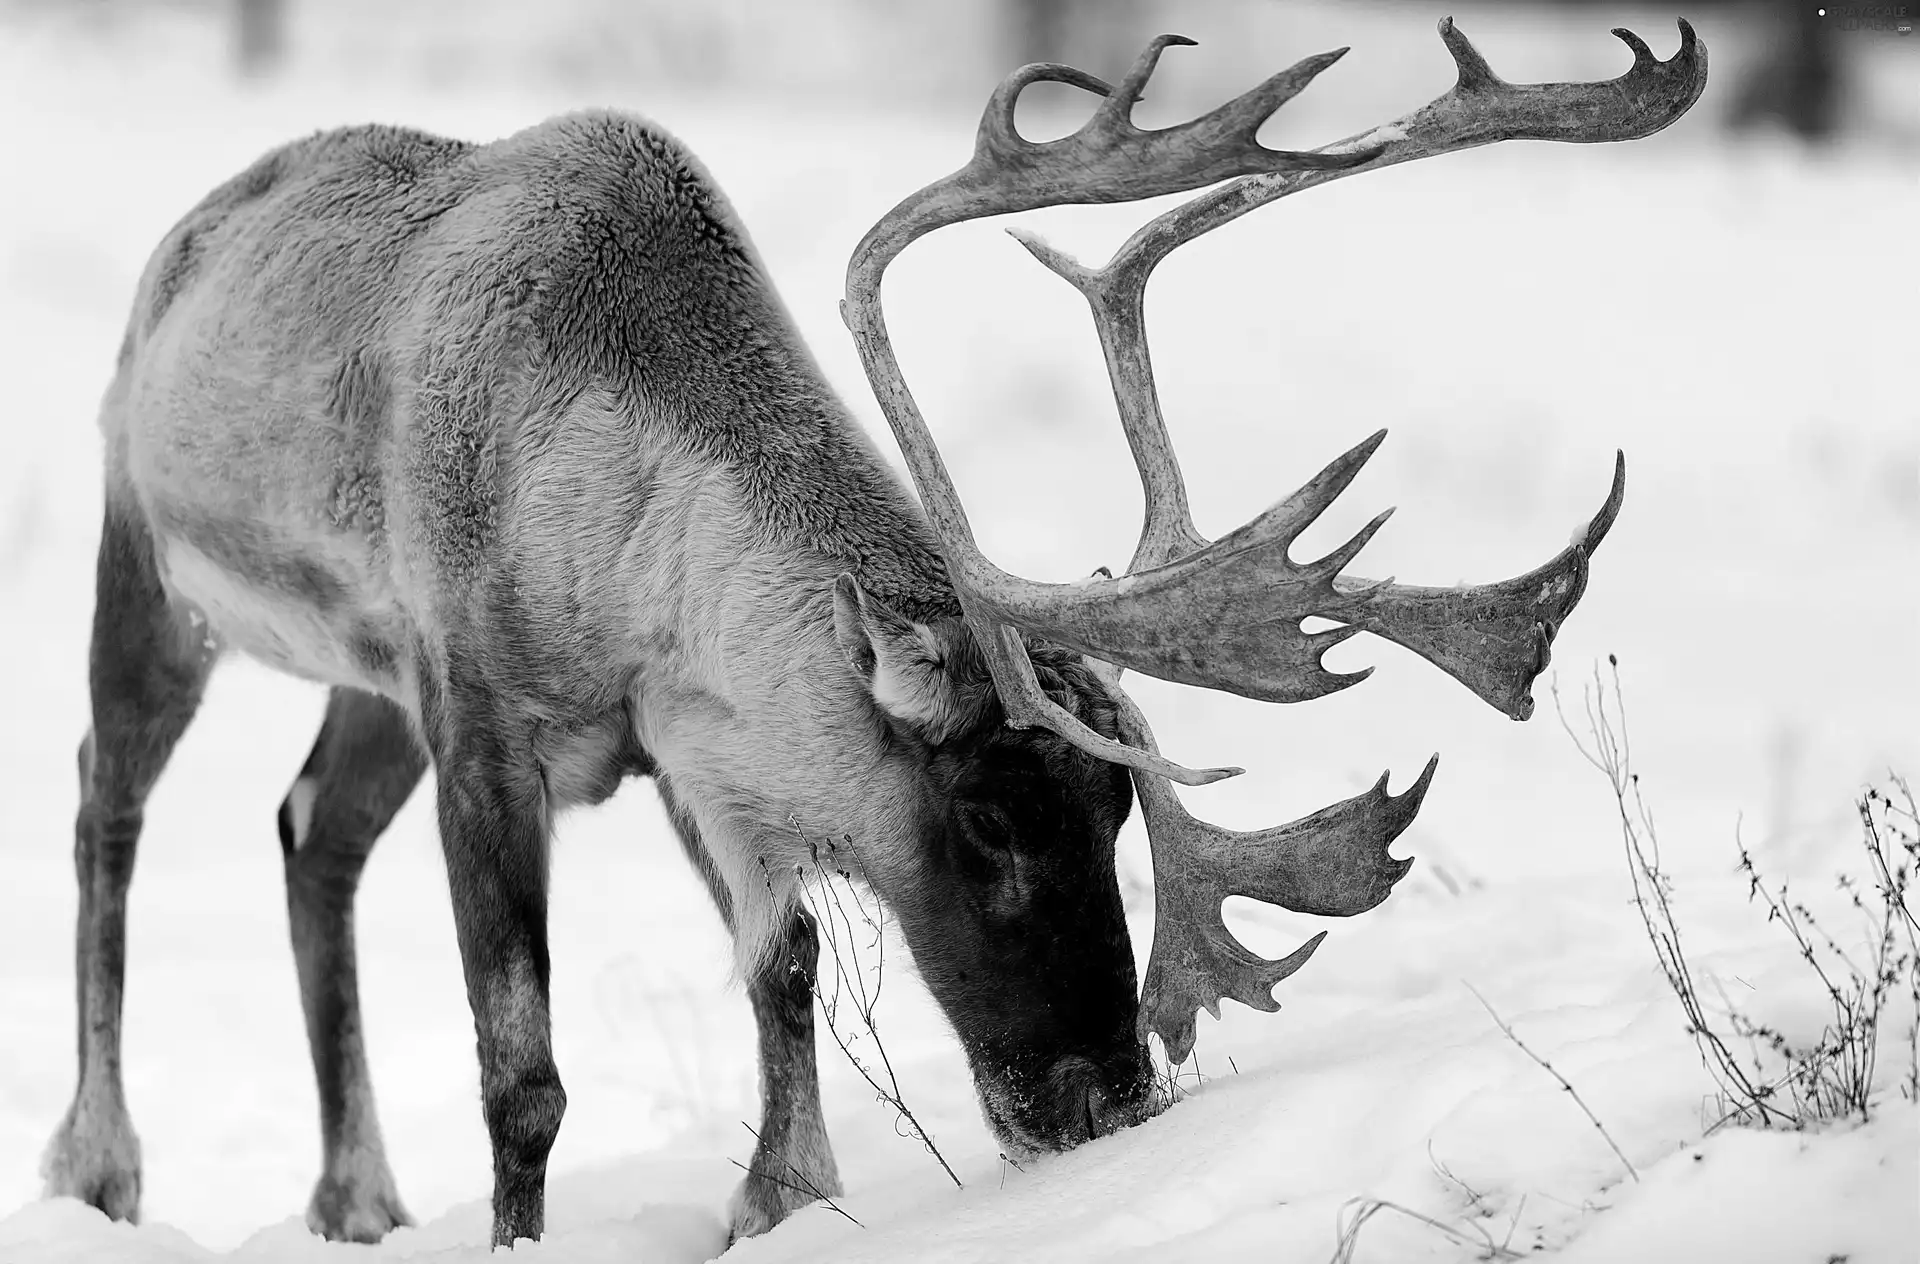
363, 1209
95, 1157
760, 1204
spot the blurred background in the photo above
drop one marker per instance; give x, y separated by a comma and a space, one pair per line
1822, 73
1806, 68
1732, 301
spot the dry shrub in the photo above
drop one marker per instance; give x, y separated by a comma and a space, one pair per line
1781, 1082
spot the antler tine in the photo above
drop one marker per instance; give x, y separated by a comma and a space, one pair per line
1493, 638
1240, 118
1643, 57
1333, 563
1026, 705
997, 131
1480, 109
1333, 863
1168, 532
1118, 108
1255, 595
1223, 136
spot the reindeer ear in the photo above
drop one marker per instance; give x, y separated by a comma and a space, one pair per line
905, 664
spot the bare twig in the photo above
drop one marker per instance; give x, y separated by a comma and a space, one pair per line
804, 1186
1174, 1078
1790, 1083
1548, 1068
1364, 1209
1514, 1224
848, 989
1611, 754
1890, 829
1476, 1201
1835, 1076
807, 1189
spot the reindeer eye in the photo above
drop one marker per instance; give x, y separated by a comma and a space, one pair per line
988, 829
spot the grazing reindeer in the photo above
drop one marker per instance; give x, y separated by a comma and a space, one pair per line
514, 447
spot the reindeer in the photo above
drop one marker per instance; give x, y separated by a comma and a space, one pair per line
514, 447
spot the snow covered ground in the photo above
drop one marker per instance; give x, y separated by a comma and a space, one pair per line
1739, 319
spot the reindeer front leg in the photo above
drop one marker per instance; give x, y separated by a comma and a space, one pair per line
363, 767
793, 1162
494, 830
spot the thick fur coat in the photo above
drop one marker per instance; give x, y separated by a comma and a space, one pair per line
531, 405
515, 447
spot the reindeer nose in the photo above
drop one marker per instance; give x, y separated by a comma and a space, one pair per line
1086, 1104
1100, 1120
1076, 1087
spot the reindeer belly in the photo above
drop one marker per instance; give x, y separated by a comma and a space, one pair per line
290, 605
265, 493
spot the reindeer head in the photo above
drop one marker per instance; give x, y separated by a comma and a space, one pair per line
1009, 902
1032, 815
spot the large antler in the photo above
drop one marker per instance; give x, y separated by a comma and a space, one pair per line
1244, 589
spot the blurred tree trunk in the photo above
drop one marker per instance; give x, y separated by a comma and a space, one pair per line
1039, 29
1799, 82
1100, 36
260, 34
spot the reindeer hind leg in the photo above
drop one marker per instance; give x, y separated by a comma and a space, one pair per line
147, 669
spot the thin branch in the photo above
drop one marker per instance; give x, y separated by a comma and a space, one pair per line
1349, 1239
1548, 1068
808, 1190
1515, 1223
805, 1186
830, 913
1475, 1199
1611, 755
